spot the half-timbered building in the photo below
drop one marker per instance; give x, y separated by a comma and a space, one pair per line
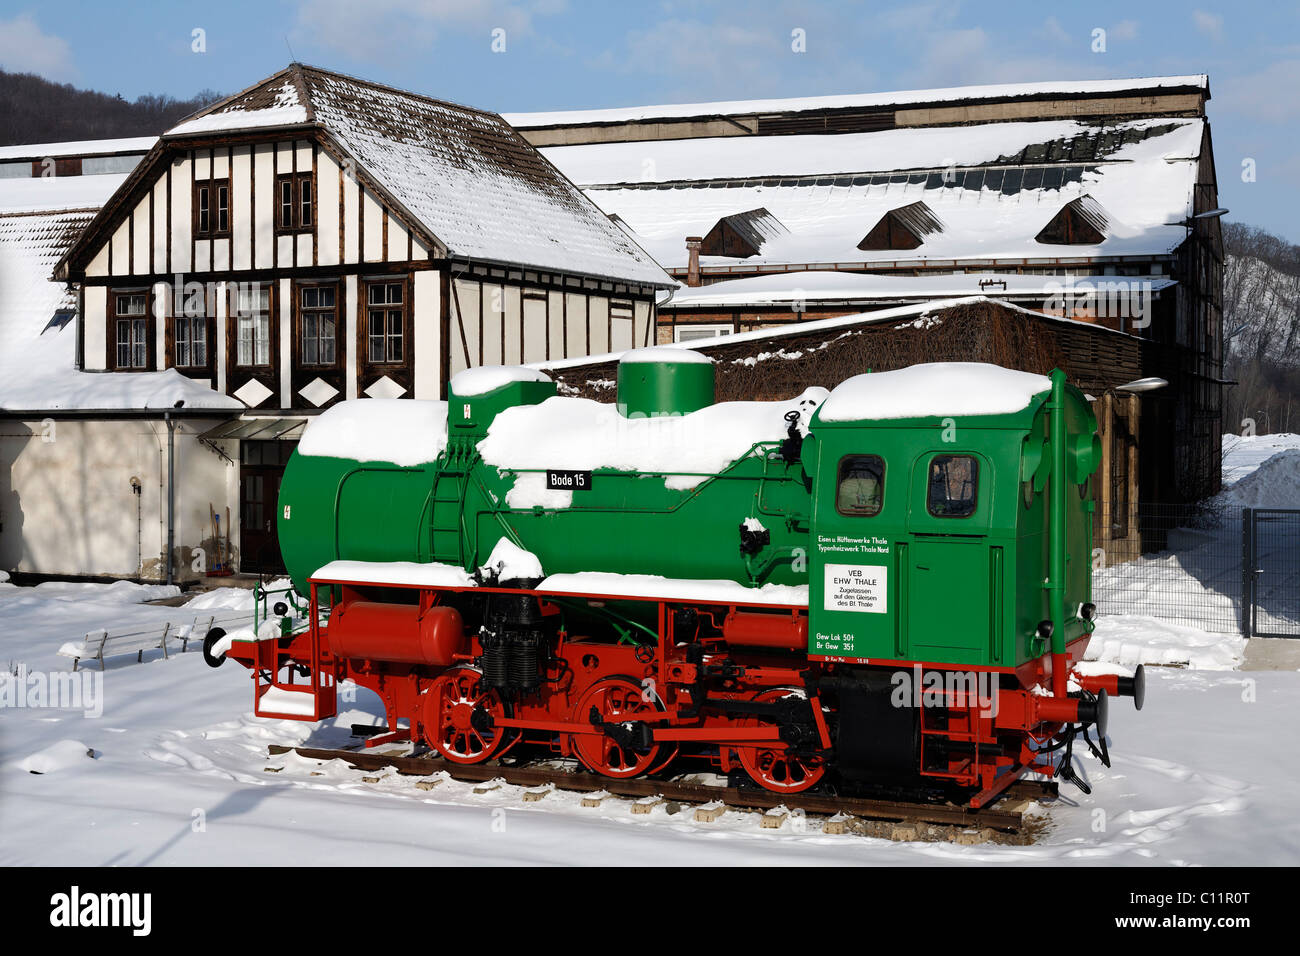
318, 237
180, 315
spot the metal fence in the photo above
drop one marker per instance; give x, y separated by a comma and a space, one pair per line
1271, 550
1225, 570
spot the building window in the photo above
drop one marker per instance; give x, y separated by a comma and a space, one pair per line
319, 321
253, 317
953, 486
385, 321
860, 491
295, 201
131, 319
191, 333
212, 208
690, 333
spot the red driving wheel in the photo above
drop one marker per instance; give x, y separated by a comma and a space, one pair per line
460, 717
618, 700
774, 767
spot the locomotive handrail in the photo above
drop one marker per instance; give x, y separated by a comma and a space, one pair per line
338, 495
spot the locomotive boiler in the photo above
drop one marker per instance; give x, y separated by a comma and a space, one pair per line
884, 586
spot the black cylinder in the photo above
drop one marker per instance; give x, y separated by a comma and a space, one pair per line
1096, 712
1135, 686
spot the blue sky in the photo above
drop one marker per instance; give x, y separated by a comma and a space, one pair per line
565, 54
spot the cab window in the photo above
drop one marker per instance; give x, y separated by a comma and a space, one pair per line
953, 486
860, 488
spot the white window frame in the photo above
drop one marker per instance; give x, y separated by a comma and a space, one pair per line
713, 329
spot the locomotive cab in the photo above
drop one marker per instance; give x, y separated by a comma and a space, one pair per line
931, 518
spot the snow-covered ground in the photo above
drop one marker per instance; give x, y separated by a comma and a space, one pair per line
1198, 579
180, 772
180, 776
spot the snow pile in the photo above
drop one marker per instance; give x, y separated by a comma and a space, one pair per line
277, 700
1273, 484
4, 576
432, 574
268, 630
235, 599
57, 756
1130, 639
663, 354
510, 562
487, 378
401, 431
678, 589
1242, 454
935, 388
580, 434
118, 592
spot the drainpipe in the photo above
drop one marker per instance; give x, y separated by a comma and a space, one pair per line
136, 489
693, 244
171, 491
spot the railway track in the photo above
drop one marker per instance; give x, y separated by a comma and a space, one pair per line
1003, 822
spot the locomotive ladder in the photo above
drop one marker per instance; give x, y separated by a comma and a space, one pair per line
446, 541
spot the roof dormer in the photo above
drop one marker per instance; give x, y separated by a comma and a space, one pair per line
742, 234
903, 228
1080, 222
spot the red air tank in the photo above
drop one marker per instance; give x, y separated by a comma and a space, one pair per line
757, 629
374, 631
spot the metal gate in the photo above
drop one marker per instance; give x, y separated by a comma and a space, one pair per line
1270, 579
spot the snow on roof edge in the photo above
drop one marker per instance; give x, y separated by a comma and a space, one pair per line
544, 118
84, 147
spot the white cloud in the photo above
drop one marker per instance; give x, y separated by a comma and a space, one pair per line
1124, 30
1053, 30
377, 29
1263, 95
1211, 24
729, 60
24, 48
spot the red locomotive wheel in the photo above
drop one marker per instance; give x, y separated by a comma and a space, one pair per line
617, 699
773, 767
456, 715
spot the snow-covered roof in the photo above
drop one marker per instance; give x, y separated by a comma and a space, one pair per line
87, 147
1001, 91
476, 185
993, 186
50, 193
40, 219
919, 314
784, 288
38, 338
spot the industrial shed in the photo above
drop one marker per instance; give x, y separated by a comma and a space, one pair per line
1092, 200
775, 364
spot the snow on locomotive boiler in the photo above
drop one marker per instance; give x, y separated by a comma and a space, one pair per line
886, 585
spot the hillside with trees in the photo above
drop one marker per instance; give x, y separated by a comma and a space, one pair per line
1261, 329
34, 110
